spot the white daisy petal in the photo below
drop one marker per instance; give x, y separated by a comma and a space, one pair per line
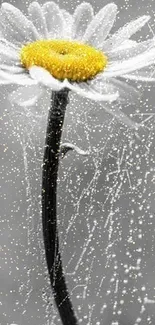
4, 81
120, 116
26, 96
126, 92
125, 33
23, 79
68, 19
15, 26
119, 68
138, 78
37, 17
144, 75
131, 51
125, 45
10, 45
82, 17
8, 55
101, 25
14, 69
103, 87
85, 90
67, 16
19, 79
54, 20
43, 77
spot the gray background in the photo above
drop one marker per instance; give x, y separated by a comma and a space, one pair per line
106, 198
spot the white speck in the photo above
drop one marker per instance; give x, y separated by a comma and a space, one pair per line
143, 288
119, 312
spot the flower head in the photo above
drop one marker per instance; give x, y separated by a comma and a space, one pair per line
54, 49
64, 59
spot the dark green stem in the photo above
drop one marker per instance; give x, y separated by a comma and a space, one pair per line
56, 116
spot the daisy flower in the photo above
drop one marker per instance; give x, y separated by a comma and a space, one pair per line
52, 49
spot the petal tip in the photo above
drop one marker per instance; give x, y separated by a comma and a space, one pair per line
114, 97
6, 5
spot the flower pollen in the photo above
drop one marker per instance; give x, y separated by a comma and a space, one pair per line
64, 59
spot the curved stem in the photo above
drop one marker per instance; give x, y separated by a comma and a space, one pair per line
56, 116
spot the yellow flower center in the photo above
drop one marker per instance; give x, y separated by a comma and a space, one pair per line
64, 59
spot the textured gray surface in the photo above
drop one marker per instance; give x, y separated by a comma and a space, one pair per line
108, 251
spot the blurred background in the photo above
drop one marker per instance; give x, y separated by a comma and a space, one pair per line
106, 206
